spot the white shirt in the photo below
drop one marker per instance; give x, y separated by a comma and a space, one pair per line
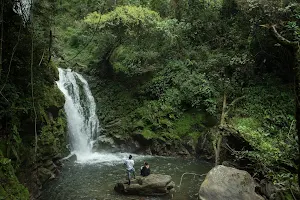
129, 164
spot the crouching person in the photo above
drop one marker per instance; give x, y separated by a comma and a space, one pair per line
145, 170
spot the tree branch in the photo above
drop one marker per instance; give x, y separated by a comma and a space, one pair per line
11, 58
223, 115
232, 104
187, 173
50, 45
282, 40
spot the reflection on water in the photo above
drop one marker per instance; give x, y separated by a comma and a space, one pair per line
95, 180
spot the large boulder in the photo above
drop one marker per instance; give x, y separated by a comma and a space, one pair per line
152, 185
227, 183
104, 143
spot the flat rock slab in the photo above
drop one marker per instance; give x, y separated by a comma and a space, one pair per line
152, 185
227, 183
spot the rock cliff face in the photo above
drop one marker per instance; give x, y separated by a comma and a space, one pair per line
52, 141
227, 183
152, 185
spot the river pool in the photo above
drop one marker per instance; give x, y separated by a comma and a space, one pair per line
94, 179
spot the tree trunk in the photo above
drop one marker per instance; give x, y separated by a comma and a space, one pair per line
296, 67
1, 37
298, 131
218, 140
297, 99
217, 148
222, 123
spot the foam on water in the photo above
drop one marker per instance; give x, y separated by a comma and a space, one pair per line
107, 158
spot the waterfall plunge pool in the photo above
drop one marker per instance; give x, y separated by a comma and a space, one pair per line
93, 175
95, 179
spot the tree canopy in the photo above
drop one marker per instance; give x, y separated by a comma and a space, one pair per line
167, 71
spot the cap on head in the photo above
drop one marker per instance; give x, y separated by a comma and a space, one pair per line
130, 156
146, 163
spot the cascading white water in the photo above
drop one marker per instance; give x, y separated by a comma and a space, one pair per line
23, 8
80, 107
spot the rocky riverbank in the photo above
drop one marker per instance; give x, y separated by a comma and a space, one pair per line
152, 185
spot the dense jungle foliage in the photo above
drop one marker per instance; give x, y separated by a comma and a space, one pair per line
169, 70
32, 126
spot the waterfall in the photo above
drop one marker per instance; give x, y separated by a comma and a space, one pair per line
23, 8
80, 107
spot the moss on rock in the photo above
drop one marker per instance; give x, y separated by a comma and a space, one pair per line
10, 187
52, 139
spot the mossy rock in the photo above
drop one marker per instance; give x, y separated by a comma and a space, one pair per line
10, 188
52, 139
44, 174
223, 182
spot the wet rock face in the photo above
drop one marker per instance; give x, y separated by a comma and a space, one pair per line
156, 146
104, 143
45, 174
169, 148
152, 185
141, 145
117, 143
227, 183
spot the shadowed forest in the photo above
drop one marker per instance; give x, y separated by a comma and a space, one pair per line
218, 80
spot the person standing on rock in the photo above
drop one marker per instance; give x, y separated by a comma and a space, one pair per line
129, 168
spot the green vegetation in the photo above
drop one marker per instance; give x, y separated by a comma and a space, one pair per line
10, 187
165, 70
32, 124
269, 127
171, 70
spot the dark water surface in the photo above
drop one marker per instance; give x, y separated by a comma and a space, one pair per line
95, 180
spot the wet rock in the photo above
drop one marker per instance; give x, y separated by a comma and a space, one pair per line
163, 147
204, 148
53, 111
267, 189
58, 163
129, 146
148, 151
152, 185
48, 163
227, 183
145, 142
106, 140
45, 174
104, 143
116, 143
190, 145
168, 148
69, 158
72, 158
50, 166
56, 157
